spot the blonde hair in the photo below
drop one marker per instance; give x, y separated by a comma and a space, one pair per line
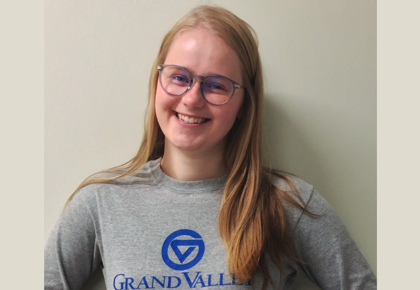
252, 221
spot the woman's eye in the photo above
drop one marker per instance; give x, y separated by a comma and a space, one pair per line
180, 79
215, 86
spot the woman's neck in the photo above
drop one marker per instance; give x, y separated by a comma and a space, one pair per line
192, 167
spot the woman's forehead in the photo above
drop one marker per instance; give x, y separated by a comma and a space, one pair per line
203, 52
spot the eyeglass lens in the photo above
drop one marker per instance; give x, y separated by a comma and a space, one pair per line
215, 89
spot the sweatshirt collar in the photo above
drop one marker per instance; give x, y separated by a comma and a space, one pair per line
163, 180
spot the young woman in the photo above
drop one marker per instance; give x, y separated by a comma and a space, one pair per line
196, 207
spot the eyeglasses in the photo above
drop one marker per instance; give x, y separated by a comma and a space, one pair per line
177, 80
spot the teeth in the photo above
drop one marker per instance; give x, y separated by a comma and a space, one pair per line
190, 120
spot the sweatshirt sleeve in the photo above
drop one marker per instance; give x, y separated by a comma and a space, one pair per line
71, 253
330, 257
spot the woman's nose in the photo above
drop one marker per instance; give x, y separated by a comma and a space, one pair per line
193, 97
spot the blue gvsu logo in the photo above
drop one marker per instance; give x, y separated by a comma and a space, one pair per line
183, 249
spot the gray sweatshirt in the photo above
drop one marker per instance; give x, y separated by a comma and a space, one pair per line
149, 231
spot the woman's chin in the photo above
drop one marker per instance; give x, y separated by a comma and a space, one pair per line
189, 147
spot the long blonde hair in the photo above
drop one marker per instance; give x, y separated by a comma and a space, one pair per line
252, 221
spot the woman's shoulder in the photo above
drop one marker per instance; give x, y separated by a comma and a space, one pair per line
315, 209
293, 186
144, 173
305, 195
112, 182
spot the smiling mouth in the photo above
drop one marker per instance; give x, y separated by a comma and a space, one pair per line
190, 120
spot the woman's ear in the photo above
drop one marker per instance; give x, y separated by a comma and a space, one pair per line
240, 113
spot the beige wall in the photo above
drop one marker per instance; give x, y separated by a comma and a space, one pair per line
319, 60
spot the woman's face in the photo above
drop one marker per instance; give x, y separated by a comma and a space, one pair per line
202, 53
